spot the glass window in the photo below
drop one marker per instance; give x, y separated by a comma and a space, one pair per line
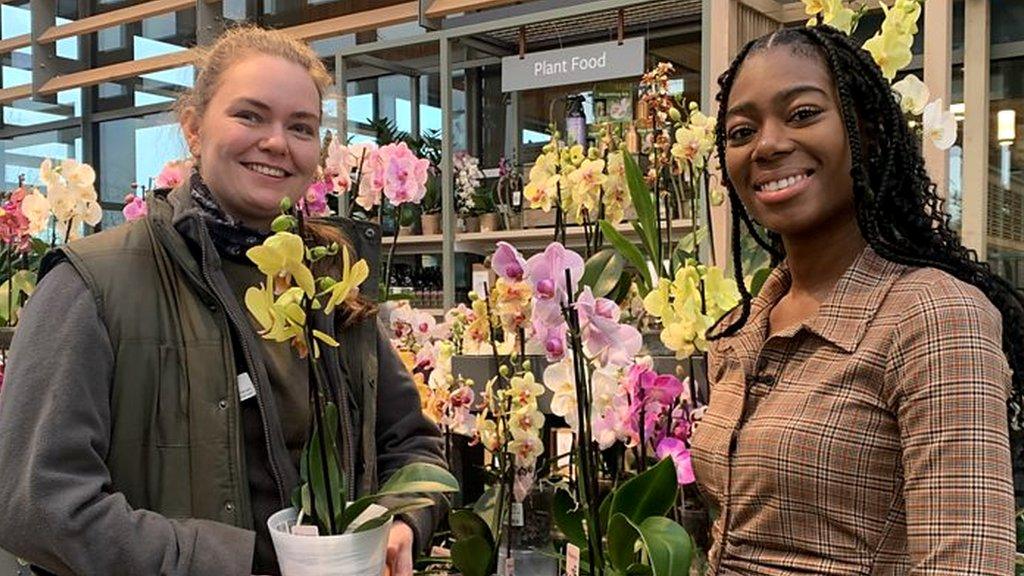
134, 150
21, 156
1006, 169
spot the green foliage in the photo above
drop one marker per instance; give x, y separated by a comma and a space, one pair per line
603, 271
631, 253
474, 552
649, 494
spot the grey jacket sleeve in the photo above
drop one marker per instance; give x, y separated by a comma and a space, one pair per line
58, 509
405, 435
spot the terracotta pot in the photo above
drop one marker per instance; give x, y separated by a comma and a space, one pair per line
489, 222
430, 223
470, 224
515, 221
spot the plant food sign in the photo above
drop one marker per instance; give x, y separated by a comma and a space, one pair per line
576, 65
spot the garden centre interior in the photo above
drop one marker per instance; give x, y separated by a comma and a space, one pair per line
490, 92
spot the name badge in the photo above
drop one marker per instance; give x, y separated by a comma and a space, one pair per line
246, 389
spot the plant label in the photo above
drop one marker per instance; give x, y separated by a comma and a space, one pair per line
246, 389
517, 514
305, 530
572, 560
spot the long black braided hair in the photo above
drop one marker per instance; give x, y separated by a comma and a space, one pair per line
899, 212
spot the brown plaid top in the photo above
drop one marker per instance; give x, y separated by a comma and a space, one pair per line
871, 439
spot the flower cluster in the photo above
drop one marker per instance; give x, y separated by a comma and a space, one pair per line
891, 46
280, 303
392, 171
70, 198
580, 182
832, 12
684, 313
937, 124
467, 181
14, 224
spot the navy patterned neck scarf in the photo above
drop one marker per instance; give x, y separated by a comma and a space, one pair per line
231, 237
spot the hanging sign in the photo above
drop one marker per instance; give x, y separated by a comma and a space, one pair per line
575, 65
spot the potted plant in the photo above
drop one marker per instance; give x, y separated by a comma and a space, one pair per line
69, 204
485, 208
430, 217
323, 532
467, 176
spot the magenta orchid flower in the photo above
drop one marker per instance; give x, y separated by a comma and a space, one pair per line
680, 454
508, 263
134, 208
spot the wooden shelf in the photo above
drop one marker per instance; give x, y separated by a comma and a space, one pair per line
526, 240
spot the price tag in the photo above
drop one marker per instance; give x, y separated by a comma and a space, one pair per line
440, 552
572, 560
246, 389
517, 514
510, 566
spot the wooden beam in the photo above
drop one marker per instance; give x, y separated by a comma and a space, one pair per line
974, 212
721, 23
442, 8
938, 73
766, 7
133, 13
118, 71
8, 95
13, 43
357, 22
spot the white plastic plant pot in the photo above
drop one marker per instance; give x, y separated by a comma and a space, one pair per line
360, 554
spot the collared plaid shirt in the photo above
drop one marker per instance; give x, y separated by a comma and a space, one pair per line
870, 439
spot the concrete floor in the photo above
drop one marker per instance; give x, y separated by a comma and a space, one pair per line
9, 566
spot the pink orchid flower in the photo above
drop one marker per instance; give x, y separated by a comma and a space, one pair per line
546, 273
173, 174
508, 263
314, 201
134, 208
604, 339
680, 454
405, 177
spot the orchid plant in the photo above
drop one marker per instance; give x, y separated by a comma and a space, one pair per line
68, 205
287, 306
890, 47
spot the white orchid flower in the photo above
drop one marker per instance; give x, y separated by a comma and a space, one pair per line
914, 94
939, 125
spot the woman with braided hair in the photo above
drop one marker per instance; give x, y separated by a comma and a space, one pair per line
858, 414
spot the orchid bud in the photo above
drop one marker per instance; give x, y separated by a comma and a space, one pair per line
317, 252
526, 365
325, 283
286, 204
504, 371
282, 223
554, 347
473, 296
673, 113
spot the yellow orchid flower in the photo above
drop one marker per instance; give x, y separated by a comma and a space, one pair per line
281, 258
352, 275
890, 51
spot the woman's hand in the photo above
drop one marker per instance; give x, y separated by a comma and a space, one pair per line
399, 550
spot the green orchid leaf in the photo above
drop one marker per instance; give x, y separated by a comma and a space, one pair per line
639, 570
622, 537
604, 510
419, 477
466, 523
400, 507
569, 518
669, 548
631, 253
649, 494
603, 271
473, 556
758, 279
643, 200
